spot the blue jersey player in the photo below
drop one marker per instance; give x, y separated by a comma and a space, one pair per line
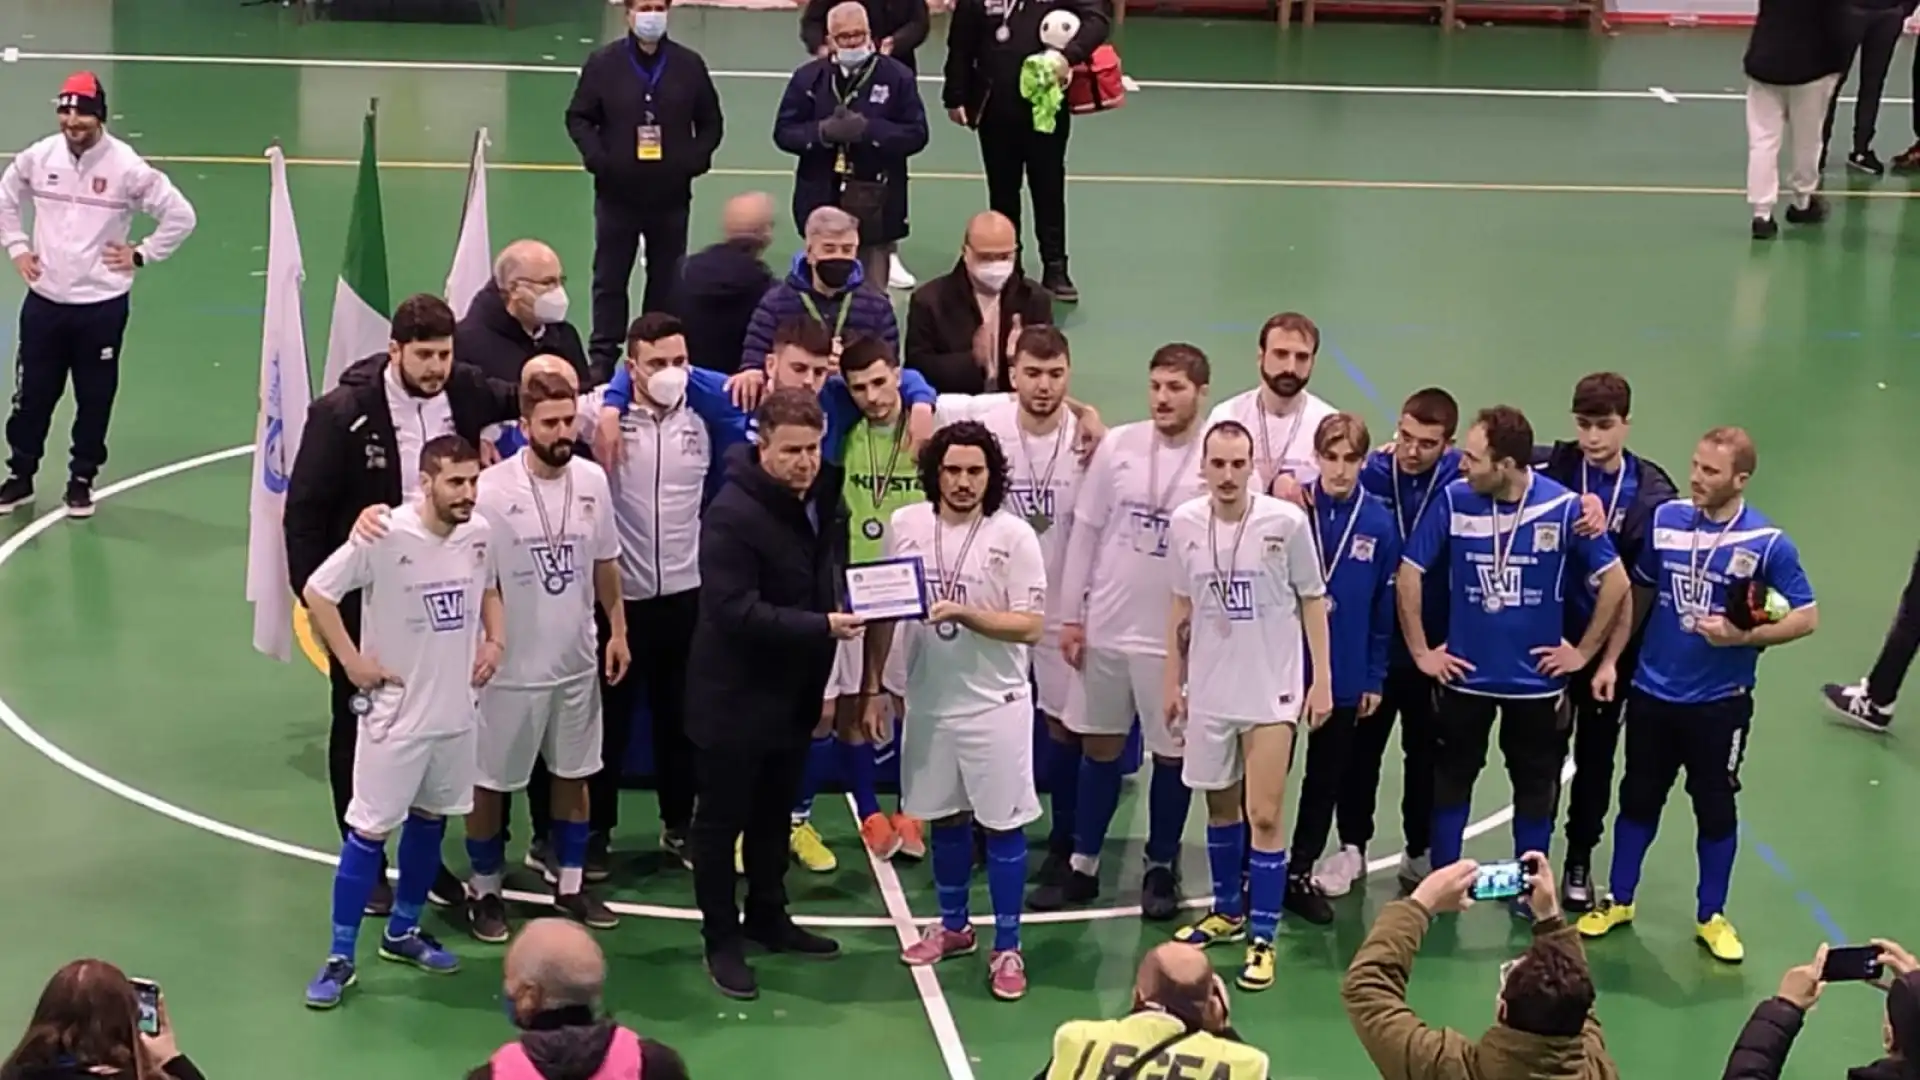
1506, 537
1691, 700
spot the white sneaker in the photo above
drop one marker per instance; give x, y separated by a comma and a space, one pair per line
897, 276
1336, 873
1415, 870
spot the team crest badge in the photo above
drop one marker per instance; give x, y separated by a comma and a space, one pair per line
1362, 549
1273, 545
1546, 536
1742, 563
99, 185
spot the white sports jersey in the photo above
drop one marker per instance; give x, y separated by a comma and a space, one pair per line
1247, 658
1116, 556
1281, 444
420, 616
953, 671
547, 536
658, 488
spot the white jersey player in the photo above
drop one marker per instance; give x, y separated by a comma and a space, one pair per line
1281, 413
966, 750
1246, 580
427, 597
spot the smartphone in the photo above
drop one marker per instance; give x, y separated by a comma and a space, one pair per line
148, 993
1499, 881
1852, 963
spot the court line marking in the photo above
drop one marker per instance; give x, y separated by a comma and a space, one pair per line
15, 723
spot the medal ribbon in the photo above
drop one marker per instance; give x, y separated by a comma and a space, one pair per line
540, 506
1619, 485
949, 583
1266, 444
1156, 495
1327, 569
880, 483
1433, 481
1501, 556
1697, 567
1039, 484
1221, 581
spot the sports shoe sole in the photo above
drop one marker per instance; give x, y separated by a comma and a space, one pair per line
1852, 720
323, 1006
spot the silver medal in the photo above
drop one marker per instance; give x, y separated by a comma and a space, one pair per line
1040, 522
1688, 624
1491, 605
947, 631
1002, 35
872, 529
360, 704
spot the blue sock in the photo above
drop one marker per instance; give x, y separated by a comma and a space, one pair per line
1167, 803
1631, 839
353, 883
1266, 888
1449, 834
1006, 885
1532, 834
1063, 793
857, 767
1099, 798
821, 758
952, 872
487, 857
1226, 854
570, 844
1716, 874
419, 865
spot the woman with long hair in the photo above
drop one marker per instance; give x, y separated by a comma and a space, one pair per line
87, 1025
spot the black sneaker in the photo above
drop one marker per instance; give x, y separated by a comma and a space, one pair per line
79, 499
1305, 899
487, 919
1813, 213
1851, 703
587, 909
1054, 279
1073, 890
380, 901
599, 858
446, 891
1765, 228
1055, 868
789, 937
537, 860
674, 843
1576, 887
1865, 161
728, 969
1160, 894
17, 491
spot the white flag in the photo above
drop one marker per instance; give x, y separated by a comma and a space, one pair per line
285, 390
473, 253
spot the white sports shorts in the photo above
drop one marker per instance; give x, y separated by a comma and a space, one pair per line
432, 773
850, 663
980, 764
518, 724
1052, 676
1214, 761
1114, 688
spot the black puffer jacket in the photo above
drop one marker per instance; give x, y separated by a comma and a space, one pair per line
1760, 1053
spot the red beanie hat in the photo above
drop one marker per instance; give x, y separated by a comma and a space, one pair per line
84, 94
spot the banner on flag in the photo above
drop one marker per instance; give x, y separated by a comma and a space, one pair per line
361, 308
473, 251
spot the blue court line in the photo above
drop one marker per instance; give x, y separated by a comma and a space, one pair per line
1835, 935
1367, 389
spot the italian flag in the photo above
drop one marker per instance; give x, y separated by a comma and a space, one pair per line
361, 309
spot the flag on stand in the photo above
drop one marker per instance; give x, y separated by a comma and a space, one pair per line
361, 310
473, 252
285, 390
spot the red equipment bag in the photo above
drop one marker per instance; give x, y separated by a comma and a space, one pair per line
1097, 85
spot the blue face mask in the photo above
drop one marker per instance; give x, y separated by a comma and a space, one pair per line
650, 25
848, 59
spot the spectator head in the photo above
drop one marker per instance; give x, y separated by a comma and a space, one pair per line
802, 355
549, 364
872, 376
833, 248
1041, 370
849, 33
527, 273
1546, 991
549, 415
553, 964
1601, 402
88, 1014
449, 477
420, 344
1722, 464
991, 250
657, 358
1340, 444
1428, 421
791, 425
1178, 980
1288, 344
1177, 378
964, 469
1900, 1028
1497, 451
748, 220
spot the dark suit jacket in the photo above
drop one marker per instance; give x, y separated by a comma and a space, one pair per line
493, 340
942, 318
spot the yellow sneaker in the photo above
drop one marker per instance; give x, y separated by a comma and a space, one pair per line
810, 850
1605, 917
1215, 929
1718, 936
1257, 973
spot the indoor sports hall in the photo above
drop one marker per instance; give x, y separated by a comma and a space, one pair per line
1498, 210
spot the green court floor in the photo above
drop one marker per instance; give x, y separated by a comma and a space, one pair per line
1499, 211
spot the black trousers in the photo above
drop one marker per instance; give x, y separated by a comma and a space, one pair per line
58, 341
747, 794
1409, 696
1596, 740
618, 228
1533, 740
1708, 741
1902, 641
1011, 150
343, 733
1327, 752
1870, 35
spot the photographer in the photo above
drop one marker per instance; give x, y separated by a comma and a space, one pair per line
1179, 1022
1545, 1027
87, 1026
1761, 1051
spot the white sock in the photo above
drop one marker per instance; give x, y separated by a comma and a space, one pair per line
486, 884
1085, 864
570, 879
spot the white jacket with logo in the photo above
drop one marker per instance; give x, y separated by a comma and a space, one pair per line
79, 207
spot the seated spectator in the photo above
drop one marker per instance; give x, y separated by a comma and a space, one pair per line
824, 285
1179, 1025
1761, 1051
1544, 1026
720, 287
555, 974
87, 1025
521, 314
961, 327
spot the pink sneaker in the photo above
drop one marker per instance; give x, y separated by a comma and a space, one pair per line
1007, 975
936, 944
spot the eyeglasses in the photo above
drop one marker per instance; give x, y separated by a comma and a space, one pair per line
543, 284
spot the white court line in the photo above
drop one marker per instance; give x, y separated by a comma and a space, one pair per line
1664, 94
18, 725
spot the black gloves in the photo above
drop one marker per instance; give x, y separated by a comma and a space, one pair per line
845, 127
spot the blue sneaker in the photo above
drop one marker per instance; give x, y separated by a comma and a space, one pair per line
419, 949
328, 987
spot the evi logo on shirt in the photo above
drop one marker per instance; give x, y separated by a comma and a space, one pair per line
446, 609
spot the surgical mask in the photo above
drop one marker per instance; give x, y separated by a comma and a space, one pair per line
834, 273
992, 276
667, 386
853, 58
551, 306
650, 25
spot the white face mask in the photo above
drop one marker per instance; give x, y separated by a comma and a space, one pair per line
650, 25
991, 276
667, 386
551, 306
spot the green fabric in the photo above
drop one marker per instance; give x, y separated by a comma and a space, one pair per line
1040, 85
869, 450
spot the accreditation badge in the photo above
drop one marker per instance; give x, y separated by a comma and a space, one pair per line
647, 146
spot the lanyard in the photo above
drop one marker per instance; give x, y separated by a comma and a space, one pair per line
950, 582
840, 317
880, 483
650, 78
1327, 569
857, 84
555, 576
1222, 581
1162, 497
1433, 481
1266, 445
1501, 555
1619, 485
1038, 484
1696, 566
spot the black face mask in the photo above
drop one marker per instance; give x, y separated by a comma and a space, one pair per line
834, 273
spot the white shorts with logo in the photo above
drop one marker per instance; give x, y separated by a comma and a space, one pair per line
518, 724
850, 663
980, 764
393, 775
1114, 688
1052, 676
1214, 760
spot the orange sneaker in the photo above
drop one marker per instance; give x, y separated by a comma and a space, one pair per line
882, 842
913, 842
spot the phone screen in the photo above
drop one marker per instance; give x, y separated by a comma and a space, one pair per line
148, 994
1499, 881
1852, 963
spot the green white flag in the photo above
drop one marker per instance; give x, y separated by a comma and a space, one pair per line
361, 308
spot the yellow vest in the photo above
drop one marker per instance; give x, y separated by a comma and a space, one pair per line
1104, 1049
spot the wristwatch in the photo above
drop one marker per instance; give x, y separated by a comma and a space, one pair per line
139, 260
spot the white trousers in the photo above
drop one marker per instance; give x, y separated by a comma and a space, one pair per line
1793, 114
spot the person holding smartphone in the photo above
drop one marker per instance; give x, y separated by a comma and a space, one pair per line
92, 1022
1760, 1053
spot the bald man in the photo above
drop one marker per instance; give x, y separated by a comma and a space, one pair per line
1180, 1015
961, 326
723, 284
554, 980
520, 314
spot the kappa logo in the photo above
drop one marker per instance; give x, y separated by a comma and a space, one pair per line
1742, 563
1546, 537
1362, 549
446, 609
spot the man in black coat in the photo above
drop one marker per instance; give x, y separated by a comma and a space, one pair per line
961, 326
722, 285
355, 452
646, 118
521, 314
1793, 63
1869, 31
773, 547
